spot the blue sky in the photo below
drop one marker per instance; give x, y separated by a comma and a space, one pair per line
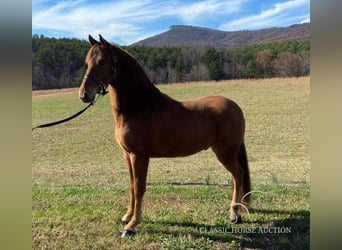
128, 21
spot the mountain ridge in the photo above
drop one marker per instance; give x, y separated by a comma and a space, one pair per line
185, 35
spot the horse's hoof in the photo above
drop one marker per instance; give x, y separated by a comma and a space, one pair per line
237, 220
128, 233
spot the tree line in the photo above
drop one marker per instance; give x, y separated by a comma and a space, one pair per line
59, 63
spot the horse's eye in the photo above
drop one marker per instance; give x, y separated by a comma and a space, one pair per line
102, 62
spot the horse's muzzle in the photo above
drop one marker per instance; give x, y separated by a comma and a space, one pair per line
85, 98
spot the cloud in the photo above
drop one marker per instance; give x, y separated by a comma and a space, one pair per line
202, 10
280, 14
79, 18
129, 21
123, 20
306, 20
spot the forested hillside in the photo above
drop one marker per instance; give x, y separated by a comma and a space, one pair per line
59, 63
185, 35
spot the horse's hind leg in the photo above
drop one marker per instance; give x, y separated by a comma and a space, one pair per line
230, 162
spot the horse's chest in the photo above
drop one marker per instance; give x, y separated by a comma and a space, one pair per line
130, 138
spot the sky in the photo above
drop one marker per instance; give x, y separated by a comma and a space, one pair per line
128, 21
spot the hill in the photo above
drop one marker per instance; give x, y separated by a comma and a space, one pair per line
183, 35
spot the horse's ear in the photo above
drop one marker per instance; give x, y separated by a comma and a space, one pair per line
103, 41
92, 40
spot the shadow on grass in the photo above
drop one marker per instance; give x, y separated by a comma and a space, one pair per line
287, 230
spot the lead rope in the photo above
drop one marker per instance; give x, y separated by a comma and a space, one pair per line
50, 124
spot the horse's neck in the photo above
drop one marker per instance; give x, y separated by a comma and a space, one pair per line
132, 74
132, 90
129, 105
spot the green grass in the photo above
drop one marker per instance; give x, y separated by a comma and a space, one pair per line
175, 217
80, 182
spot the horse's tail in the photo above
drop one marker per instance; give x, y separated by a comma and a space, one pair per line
243, 161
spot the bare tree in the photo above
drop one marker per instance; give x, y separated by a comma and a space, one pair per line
287, 64
264, 62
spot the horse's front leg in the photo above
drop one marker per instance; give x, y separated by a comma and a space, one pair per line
128, 216
139, 164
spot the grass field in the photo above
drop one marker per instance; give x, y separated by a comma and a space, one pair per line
80, 182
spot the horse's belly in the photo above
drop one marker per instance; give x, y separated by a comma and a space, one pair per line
178, 150
184, 140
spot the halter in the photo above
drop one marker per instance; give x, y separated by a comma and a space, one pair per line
102, 84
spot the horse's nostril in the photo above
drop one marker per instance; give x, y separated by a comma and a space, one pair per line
85, 97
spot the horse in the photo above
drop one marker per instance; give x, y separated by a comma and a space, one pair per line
149, 123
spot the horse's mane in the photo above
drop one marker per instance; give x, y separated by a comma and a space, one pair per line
132, 65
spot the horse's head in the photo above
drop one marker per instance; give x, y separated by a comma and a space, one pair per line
101, 66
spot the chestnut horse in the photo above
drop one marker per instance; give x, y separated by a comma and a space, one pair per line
149, 123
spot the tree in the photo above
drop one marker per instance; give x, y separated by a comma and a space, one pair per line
214, 61
251, 68
59, 63
264, 62
287, 64
304, 57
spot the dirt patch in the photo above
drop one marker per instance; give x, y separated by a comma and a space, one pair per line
54, 91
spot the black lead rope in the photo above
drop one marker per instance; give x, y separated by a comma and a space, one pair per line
50, 124
103, 92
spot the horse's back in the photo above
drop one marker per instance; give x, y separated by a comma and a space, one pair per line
220, 108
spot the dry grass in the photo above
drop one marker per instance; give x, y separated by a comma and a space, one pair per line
54, 91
